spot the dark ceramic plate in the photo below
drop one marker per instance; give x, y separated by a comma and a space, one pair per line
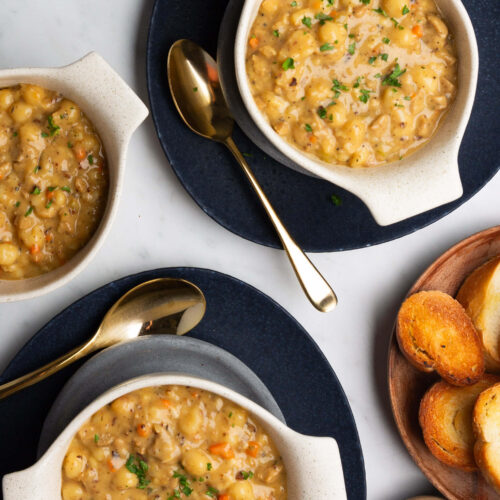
239, 319
210, 175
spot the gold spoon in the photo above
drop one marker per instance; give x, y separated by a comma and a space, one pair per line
194, 84
164, 305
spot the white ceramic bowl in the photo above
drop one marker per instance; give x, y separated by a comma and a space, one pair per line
313, 464
116, 112
426, 179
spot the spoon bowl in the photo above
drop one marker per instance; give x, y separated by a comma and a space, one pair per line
164, 305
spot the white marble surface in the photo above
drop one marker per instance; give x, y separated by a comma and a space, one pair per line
159, 225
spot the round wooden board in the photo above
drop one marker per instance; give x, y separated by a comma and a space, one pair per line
407, 385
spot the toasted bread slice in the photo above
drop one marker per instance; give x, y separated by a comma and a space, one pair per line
446, 419
486, 421
480, 295
435, 333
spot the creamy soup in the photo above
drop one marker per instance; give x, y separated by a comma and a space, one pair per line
53, 180
169, 443
353, 82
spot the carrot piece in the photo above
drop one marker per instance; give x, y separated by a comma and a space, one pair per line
166, 403
111, 467
223, 450
49, 237
223, 497
334, 13
143, 430
34, 249
80, 153
253, 449
313, 139
316, 5
253, 42
417, 30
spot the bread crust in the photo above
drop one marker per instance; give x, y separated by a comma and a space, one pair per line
486, 426
480, 296
445, 417
435, 333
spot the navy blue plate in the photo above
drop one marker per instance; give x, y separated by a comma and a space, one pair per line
239, 319
210, 175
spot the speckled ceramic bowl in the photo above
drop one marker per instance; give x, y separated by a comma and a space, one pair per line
116, 112
313, 464
426, 179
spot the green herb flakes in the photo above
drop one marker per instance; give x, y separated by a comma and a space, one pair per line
381, 12
66, 188
321, 112
288, 64
384, 57
365, 95
53, 128
392, 79
352, 48
96, 438
336, 200
386, 40
326, 46
28, 212
90, 159
372, 59
211, 492
139, 468
306, 21
405, 10
276, 33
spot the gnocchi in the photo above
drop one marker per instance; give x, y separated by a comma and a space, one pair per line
355, 83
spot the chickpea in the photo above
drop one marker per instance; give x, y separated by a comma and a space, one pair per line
394, 7
337, 115
33, 94
124, 406
333, 33
241, 490
269, 7
6, 99
124, 479
191, 422
74, 464
298, 46
319, 89
72, 491
195, 461
21, 112
9, 253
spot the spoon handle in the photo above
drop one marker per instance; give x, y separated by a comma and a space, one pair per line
45, 371
314, 285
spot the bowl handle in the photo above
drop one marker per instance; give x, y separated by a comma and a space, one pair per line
319, 467
107, 93
411, 190
33, 482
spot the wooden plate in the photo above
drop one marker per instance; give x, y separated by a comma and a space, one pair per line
407, 385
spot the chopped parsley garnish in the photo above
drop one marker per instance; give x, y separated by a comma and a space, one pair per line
386, 40
211, 492
337, 87
70, 145
407, 98
351, 35
306, 21
345, 26
53, 128
17, 204
380, 11
392, 79
378, 75
293, 4
322, 17
384, 56
48, 205
366, 2
44, 134
352, 48
90, 158
288, 64
321, 112
246, 475
195, 89
396, 24
308, 127
139, 468
357, 82
330, 2
372, 59
405, 10
276, 33
66, 188
209, 466
28, 212
230, 414
37, 168
51, 188
96, 438
336, 200
184, 485
36, 190
326, 46
15, 134
365, 95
